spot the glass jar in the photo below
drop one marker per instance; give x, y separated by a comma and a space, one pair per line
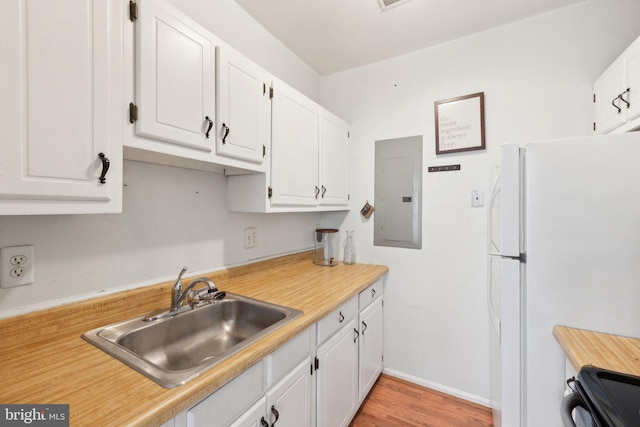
349, 249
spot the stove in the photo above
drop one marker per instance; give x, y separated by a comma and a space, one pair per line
603, 398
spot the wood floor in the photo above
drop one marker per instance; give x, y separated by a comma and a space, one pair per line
394, 402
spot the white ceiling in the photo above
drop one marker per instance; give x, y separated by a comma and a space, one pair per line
335, 35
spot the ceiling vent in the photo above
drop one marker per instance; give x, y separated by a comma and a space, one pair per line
387, 4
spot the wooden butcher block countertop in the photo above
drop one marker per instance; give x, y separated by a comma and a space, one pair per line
44, 360
613, 352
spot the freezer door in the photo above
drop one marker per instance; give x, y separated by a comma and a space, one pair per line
504, 208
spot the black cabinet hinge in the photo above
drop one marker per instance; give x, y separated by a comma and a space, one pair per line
348, 196
348, 134
133, 112
594, 126
594, 98
270, 192
317, 363
311, 368
270, 93
133, 11
264, 150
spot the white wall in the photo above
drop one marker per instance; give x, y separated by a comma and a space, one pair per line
227, 20
536, 75
171, 217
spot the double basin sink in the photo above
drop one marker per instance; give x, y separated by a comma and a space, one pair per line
174, 349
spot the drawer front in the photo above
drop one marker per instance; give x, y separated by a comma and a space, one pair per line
370, 294
283, 360
336, 319
229, 402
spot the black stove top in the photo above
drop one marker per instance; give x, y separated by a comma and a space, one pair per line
612, 398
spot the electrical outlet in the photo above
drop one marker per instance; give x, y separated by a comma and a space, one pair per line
17, 266
477, 198
250, 237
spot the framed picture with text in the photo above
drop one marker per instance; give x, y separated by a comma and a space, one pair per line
460, 124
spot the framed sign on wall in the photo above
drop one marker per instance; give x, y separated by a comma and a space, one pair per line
460, 124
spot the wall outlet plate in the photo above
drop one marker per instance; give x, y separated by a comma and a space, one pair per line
17, 266
250, 237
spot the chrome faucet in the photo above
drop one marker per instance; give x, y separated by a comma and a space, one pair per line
178, 296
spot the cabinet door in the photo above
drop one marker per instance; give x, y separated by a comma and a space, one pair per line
224, 406
174, 78
294, 148
608, 109
371, 346
243, 105
289, 401
337, 392
633, 80
254, 416
61, 85
334, 164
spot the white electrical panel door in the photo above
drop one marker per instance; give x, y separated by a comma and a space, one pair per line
242, 128
175, 78
61, 106
334, 160
294, 146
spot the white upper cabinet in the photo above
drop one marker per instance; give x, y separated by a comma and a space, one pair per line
170, 69
294, 145
334, 160
243, 108
61, 107
308, 163
175, 78
616, 94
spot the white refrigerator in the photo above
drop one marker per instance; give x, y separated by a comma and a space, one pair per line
563, 248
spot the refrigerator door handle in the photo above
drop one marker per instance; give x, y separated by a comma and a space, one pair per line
495, 191
493, 315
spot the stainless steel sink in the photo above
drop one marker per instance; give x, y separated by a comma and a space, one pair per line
177, 348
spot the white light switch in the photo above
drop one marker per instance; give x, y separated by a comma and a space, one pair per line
250, 237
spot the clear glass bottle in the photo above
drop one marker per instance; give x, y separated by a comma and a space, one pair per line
349, 249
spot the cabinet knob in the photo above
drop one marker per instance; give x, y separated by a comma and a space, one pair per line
621, 96
209, 126
226, 133
105, 167
613, 102
275, 413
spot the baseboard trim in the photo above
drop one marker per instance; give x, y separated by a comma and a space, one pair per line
439, 387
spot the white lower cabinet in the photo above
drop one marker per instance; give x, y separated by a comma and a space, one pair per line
371, 346
228, 403
254, 416
337, 388
286, 404
318, 378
